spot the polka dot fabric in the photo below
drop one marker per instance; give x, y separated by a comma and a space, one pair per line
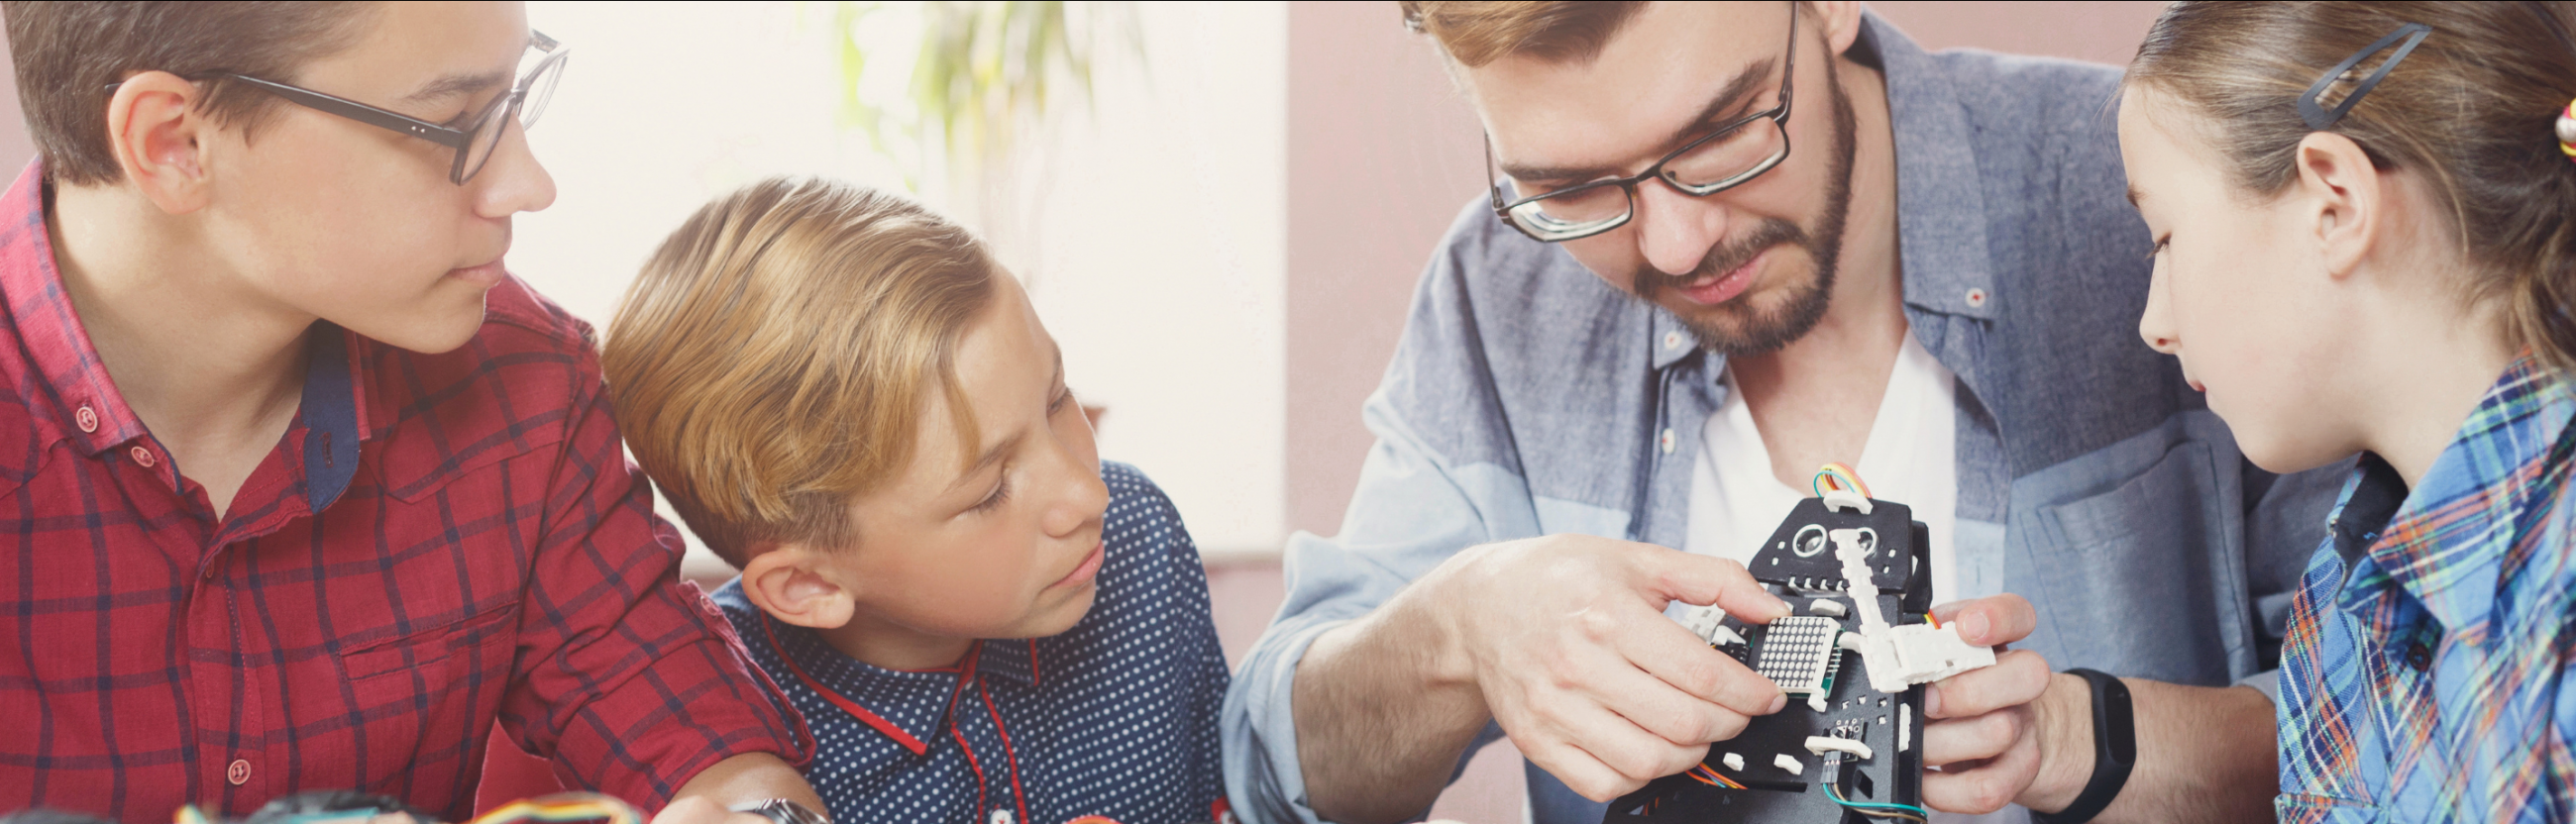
1116, 718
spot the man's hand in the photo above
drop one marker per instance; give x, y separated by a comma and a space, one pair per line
1983, 730
1565, 638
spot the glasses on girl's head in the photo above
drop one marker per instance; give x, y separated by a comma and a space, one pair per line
480, 135
1722, 159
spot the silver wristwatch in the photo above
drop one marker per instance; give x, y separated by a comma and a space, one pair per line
782, 811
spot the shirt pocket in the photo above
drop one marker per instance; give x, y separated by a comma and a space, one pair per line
2132, 578
447, 678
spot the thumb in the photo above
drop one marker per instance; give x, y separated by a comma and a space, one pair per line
1700, 580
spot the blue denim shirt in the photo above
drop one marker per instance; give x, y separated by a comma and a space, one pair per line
1529, 398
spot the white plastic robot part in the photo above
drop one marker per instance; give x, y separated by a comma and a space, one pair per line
1904, 728
1789, 762
1733, 761
1901, 657
1846, 499
1825, 607
1820, 745
1704, 622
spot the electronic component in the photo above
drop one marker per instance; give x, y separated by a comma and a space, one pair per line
1856, 573
1798, 653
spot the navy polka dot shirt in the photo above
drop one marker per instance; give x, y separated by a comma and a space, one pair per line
1115, 719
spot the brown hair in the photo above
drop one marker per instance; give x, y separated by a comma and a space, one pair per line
1477, 32
66, 54
2471, 111
773, 360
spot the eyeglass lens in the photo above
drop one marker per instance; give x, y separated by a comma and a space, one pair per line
523, 104
1721, 161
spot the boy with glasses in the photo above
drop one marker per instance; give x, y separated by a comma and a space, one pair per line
303, 489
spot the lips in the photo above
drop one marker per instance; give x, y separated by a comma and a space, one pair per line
1084, 572
1711, 290
486, 275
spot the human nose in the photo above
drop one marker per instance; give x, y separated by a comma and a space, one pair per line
2155, 324
512, 181
1079, 498
1675, 231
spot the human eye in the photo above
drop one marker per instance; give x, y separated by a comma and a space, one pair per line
2161, 243
1001, 494
1063, 398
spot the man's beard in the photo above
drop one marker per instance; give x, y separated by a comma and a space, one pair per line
1743, 330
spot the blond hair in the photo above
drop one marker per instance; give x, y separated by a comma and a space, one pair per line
2470, 110
1477, 32
774, 359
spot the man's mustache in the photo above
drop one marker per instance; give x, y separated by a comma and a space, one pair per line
1722, 258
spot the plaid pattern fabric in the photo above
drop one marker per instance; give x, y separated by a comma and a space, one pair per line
438, 541
2424, 670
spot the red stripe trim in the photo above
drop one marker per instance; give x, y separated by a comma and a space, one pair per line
980, 800
1009, 751
852, 707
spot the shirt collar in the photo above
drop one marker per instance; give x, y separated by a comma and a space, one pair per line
2447, 544
909, 707
1940, 199
88, 409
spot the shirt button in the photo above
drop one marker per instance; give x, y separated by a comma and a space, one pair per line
1976, 298
238, 773
1666, 441
1001, 817
87, 418
2420, 656
142, 456
1672, 340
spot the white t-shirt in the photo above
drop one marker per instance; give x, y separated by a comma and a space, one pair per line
1736, 503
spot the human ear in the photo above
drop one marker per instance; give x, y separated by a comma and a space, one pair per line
1838, 21
157, 135
788, 583
2340, 192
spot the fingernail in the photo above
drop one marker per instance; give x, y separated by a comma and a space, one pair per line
1972, 628
1778, 702
1932, 701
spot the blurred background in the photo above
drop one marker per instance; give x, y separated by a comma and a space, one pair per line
1220, 208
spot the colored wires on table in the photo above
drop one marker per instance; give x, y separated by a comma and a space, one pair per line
1713, 778
561, 807
1840, 477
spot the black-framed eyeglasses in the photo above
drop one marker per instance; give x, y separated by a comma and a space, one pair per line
474, 144
1723, 159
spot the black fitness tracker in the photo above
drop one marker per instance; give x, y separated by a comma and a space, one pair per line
2115, 750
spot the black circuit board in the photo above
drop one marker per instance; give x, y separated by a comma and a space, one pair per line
1799, 565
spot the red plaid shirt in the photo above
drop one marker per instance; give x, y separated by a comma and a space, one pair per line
439, 540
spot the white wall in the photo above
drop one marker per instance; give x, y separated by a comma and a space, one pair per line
1160, 262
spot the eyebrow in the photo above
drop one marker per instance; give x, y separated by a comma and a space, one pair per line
994, 453
458, 84
1733, 95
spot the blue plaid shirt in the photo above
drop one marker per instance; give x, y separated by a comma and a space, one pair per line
2424, 673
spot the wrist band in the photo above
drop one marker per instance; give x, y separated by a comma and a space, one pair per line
2115, 750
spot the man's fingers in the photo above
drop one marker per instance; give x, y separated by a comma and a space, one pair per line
1599, 754
1969, 739
2017, 678
1684, 662
1984, 787
1985, 622
1706, 581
